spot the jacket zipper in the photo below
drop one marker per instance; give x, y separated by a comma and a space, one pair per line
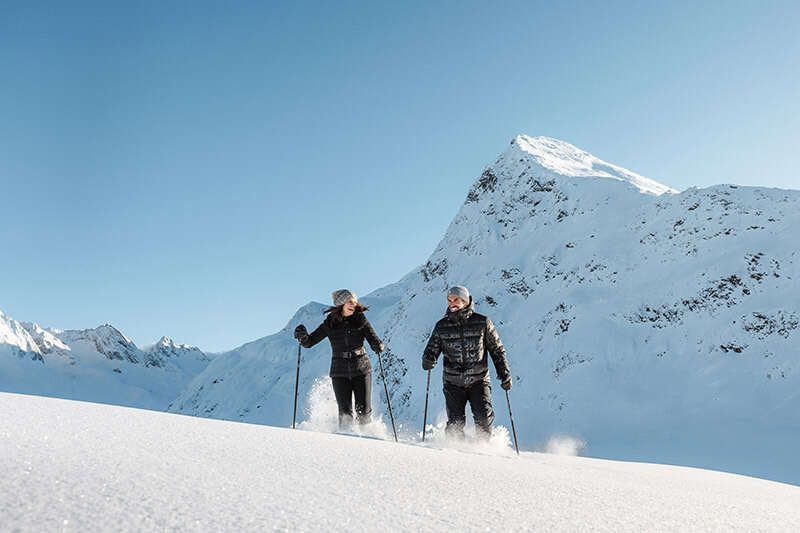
463, 348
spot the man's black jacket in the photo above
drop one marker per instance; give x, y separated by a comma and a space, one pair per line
464, 337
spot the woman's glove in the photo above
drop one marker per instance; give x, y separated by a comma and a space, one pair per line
300, 333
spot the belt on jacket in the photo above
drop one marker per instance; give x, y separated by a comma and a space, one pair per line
350, 355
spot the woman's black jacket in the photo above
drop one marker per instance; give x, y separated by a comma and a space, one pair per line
346, 335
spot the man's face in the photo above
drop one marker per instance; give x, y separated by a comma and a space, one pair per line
454, 303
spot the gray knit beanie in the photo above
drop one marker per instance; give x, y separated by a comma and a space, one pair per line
459, 291
342, 296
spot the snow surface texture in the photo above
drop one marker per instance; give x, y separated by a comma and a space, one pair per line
640, 323
74, 466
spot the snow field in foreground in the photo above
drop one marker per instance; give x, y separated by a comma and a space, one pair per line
67, 465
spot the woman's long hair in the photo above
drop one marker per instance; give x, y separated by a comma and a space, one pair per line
334, 312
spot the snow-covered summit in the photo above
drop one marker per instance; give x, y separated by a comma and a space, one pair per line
46, 340
167, 349
105, 340
537, 184
15, 336
562, 158
167, 344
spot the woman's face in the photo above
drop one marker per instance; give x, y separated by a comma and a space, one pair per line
349, 308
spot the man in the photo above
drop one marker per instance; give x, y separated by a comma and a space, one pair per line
465, 336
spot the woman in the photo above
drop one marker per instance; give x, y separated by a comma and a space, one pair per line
346, 327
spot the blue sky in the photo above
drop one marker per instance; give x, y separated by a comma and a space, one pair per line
202, 169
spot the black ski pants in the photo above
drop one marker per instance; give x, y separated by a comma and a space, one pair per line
345, 390
479, 396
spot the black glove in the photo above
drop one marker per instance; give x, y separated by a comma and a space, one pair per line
300, 332
506, 383
427, 364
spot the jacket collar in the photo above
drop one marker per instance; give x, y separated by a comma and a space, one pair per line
356, 318
462, 315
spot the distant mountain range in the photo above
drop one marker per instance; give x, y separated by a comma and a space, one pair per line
99, 364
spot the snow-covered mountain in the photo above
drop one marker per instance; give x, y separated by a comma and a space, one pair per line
167, 352
22, 338
650, 324
157, 471
99, 364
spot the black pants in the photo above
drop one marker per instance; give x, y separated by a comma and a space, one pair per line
479, 396
345, 389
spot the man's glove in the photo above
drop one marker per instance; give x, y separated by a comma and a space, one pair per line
427, 364
300, 333
506, 383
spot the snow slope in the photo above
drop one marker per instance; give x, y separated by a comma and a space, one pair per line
648, 324
74, 466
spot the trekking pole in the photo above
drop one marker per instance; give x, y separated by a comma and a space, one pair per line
296, 384
513, 429
425, 418
388, 401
